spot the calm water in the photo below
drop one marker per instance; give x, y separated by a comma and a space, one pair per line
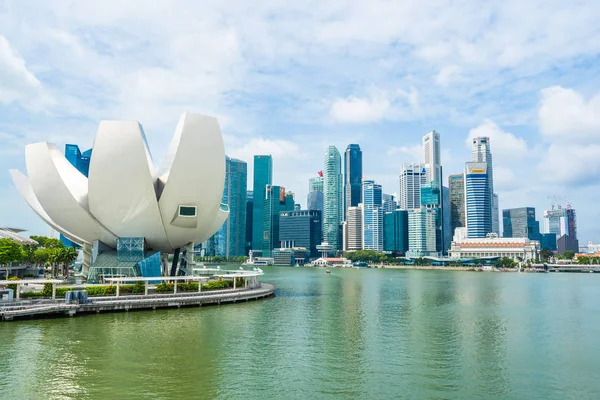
372, 334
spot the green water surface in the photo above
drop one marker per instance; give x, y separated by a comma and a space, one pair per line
368, 334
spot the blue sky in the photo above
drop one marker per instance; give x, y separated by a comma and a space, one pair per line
290, 79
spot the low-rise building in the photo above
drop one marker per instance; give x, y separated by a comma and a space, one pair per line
493, 246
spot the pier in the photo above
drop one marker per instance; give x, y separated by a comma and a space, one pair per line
49, 308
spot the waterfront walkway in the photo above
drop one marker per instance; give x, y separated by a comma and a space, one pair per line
46, 308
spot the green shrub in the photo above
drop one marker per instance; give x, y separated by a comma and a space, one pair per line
30, 295
164, 287
217, 285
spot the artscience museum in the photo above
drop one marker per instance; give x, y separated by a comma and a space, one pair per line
127, 215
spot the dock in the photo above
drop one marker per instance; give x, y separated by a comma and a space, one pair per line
56, 308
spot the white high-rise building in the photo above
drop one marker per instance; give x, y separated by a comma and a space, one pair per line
433, 158
332, 187
412, 176
421, 232
354, 228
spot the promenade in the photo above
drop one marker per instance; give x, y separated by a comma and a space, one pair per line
49, 308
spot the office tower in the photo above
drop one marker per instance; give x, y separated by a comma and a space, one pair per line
520, 223
81, 161
421, 232
352, 176
230, 239
276, 201
395, 231
315, 201
372, 217
300, 228
332, 188
446, 228
481, 153
456, 185
354, 228
388, 202
548, 241
431, 198
433, 163
297, 207
263, 176
316, 184
249, 216
572, 223
555, 222
563, 223
495, 215
478, 199
412, 176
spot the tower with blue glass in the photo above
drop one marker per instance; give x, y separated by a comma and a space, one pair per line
372, 232
263, 176
352, 176
478, 200
81, 161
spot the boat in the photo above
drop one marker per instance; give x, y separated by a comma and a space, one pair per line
327, 271
361, 264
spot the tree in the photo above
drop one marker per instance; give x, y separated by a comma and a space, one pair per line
67, 256
505, 262
569, 254
10, 252
545, 254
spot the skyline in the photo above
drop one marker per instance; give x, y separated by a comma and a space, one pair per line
292, 89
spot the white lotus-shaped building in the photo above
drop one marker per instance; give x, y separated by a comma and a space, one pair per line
124, 195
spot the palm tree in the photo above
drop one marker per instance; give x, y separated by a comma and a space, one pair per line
68, 257
54, 259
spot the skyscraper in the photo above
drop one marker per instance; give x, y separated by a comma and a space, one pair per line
431, 198
82, 163
520, 223
300, 229
388, 202
263, 176
276, 201
354, 228
433, 163
332, 187
249, 217
478, 199
481, 153
456, 184
230, 239
372, 216
352, 176
316, 184
412, 176
395, 231
421, 232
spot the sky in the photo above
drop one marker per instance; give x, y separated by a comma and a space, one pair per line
291, 78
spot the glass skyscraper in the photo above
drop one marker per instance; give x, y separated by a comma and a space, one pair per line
332, 188
520, 223
456, 186
478, 200
263, 176
352, 176
481, 153
249, 216
432, 150
276, 201
81, 161
395, 231
300, 229
372, 216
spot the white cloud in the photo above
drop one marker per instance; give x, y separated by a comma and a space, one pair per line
19, 84
572, 165
412, 153
448, 75
504, 145
379, 105
565, 115
359, 110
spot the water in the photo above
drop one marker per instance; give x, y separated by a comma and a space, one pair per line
372, 334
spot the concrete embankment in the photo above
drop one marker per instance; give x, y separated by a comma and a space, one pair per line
49, 308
